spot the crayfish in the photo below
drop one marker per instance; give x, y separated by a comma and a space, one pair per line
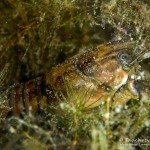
109, 72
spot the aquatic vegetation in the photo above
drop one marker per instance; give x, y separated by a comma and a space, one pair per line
71, 125
37, 35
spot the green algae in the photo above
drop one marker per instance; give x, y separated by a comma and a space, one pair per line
37, 35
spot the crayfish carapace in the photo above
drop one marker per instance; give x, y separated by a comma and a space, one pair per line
105, 73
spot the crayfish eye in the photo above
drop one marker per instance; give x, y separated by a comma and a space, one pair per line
125, 58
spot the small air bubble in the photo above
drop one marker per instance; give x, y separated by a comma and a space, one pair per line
125, 107
12, 130
147, 123
118, 109
133, 76
106, 115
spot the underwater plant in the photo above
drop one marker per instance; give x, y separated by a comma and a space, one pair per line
35, 36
